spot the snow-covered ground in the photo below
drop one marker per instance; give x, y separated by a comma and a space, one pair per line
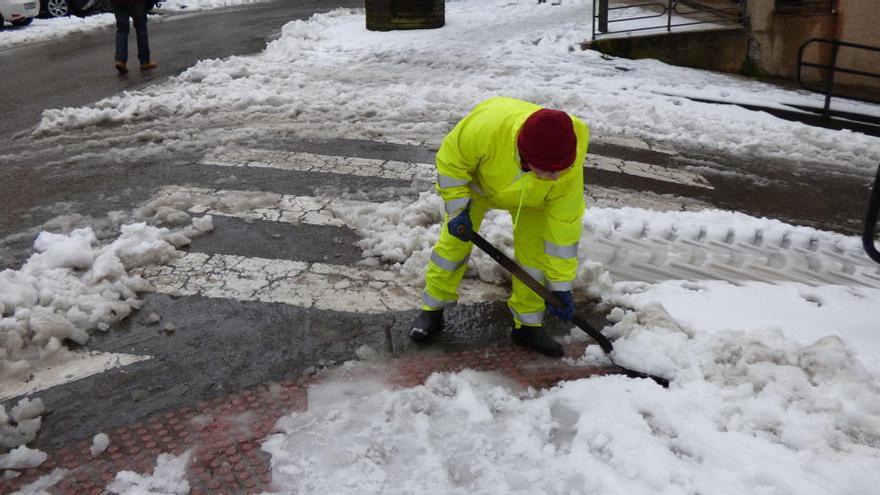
775, 387
329, 77
192, 5
41, 30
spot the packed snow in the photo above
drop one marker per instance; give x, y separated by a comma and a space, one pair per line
329, 77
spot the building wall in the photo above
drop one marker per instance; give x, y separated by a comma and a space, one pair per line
860, 23
718, 49
776, 38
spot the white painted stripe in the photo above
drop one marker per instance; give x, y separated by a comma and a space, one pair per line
307, 285
647, 170
631, 142
252, 205
308, 162
71, 367
366, 167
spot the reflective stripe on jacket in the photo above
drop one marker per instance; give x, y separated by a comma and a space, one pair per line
479, 157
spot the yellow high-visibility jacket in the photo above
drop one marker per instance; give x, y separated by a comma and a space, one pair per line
479, 158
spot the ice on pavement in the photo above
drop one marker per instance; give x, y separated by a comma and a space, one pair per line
43, 483
329, 77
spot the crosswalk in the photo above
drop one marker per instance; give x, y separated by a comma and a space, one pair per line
318, 285
639, 256
390, 169
627, 254
297, 283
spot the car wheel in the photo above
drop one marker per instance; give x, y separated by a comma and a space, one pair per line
57, 8
23, 22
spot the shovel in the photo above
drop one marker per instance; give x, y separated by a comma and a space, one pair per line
551, 299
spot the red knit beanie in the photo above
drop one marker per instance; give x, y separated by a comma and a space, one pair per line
547, 140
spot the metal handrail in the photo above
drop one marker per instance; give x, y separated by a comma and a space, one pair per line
870, 232
735, 14
832, 68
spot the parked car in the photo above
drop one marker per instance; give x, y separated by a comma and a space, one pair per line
18, 12
63, 8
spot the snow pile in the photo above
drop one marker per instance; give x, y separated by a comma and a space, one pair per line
74, 285
751, 413
330, 77
169, 478
190, 5
41, 30
803, 314
401, 234
22, 425
22, 458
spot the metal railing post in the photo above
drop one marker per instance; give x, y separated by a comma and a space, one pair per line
669, 17
871, 221
603, 16
829, 81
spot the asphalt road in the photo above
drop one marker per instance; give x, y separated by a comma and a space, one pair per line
78, 69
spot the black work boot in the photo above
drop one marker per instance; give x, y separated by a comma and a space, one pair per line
428, 324
537, 339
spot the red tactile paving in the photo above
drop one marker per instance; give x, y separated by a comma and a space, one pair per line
225, 433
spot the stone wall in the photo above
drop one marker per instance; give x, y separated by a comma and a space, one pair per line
720, 50
776, 37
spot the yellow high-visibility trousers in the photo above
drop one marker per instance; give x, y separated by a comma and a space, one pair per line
449, 258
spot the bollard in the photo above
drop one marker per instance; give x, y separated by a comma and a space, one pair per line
391, 15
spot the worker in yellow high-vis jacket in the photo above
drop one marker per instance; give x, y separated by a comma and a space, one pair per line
513, 155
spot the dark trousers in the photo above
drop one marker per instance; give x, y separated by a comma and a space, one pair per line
138, 14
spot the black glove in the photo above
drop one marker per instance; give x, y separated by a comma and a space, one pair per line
566, 312
463, 219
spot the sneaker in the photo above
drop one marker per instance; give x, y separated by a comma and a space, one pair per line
149, 65
536, 338
121, 67
428, 324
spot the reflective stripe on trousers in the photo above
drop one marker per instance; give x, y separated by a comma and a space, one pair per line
441, 283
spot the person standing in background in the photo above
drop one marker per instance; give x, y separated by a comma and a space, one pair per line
136, 10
